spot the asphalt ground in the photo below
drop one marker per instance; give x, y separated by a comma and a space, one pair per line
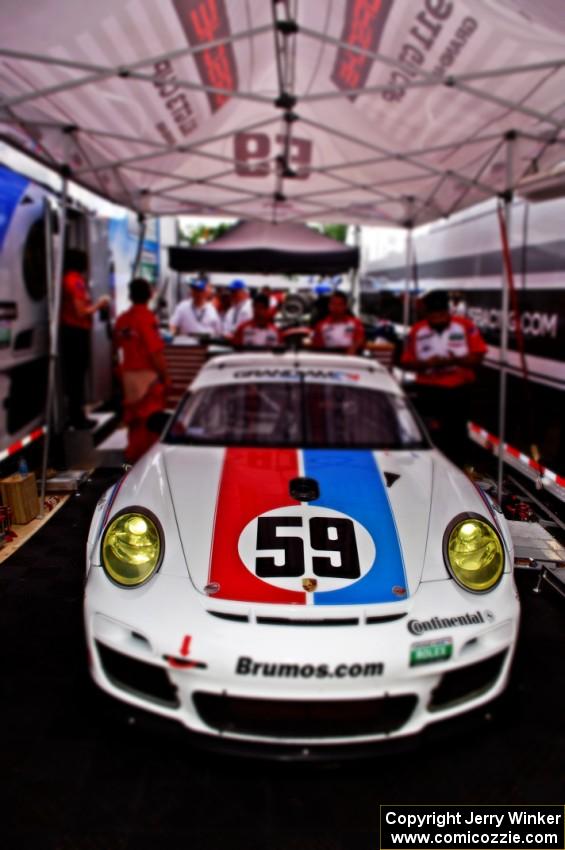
79, 772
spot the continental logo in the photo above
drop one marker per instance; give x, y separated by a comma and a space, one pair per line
419, 627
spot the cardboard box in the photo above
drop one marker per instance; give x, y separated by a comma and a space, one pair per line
19, 492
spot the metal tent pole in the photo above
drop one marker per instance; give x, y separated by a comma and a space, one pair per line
356, 274
393, 155
141, 238
97, 73
505, 303
406, 305
56, 288
425, 77
167, 149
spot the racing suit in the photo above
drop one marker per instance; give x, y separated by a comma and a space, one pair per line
138, 340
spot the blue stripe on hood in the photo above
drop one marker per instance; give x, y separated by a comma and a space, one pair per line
350, 482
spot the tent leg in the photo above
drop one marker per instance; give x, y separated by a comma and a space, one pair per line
505, 303
55, 288
406, 304
355, 278
141, 239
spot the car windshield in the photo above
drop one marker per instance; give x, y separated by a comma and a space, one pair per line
301, 413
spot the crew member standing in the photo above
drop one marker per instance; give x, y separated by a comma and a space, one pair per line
258, 332
320, 307
444, 351
275, 300
196, 315
340, 330
241, 309
142, 367
77, 311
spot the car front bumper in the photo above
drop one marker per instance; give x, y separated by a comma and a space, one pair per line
227, 673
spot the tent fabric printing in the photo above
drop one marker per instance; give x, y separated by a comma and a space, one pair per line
364, 111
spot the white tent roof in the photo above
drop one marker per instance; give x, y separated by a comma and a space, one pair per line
369, 111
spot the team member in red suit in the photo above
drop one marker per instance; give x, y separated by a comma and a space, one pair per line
340, 330
444, 350
77, 311
142, 366
275, 300
258, 332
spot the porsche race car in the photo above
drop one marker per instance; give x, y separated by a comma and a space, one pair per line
293, 563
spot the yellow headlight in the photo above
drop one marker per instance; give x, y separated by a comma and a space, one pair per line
131, 548
475, 555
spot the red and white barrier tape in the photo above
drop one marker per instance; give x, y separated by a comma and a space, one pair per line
491, 442
20, 444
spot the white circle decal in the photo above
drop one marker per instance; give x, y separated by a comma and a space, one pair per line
306, 548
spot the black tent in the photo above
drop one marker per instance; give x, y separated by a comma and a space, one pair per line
261, 247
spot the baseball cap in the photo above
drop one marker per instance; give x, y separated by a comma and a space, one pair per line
198, 283
323, 288
237, 284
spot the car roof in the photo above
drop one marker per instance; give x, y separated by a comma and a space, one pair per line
252, 367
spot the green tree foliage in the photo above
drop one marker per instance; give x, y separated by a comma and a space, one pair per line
202, 233
334, 231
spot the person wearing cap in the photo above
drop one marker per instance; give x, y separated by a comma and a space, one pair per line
222, 302
241, 309
143, 370
258, 332
340, 330
444, 351
196, 315
320, 307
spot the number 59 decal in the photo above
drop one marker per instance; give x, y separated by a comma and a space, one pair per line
288, 545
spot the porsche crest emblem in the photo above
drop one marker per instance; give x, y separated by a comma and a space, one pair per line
309, 584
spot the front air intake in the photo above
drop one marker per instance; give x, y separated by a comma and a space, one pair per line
138, 678
306, 719
466, 683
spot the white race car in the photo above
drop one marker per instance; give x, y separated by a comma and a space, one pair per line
294, 564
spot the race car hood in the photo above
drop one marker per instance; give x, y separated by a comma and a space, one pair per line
302, 527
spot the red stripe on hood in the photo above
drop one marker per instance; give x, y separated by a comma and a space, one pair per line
253, 481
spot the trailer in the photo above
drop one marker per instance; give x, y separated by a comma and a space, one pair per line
31, 239
464, 255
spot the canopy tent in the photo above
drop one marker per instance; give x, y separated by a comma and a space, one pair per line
258, 246
359, 111
367, 111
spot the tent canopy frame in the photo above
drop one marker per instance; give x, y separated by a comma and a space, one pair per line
397, 184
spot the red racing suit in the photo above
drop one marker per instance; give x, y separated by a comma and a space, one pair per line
252, 335
458, 339
347, 333
137, 337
